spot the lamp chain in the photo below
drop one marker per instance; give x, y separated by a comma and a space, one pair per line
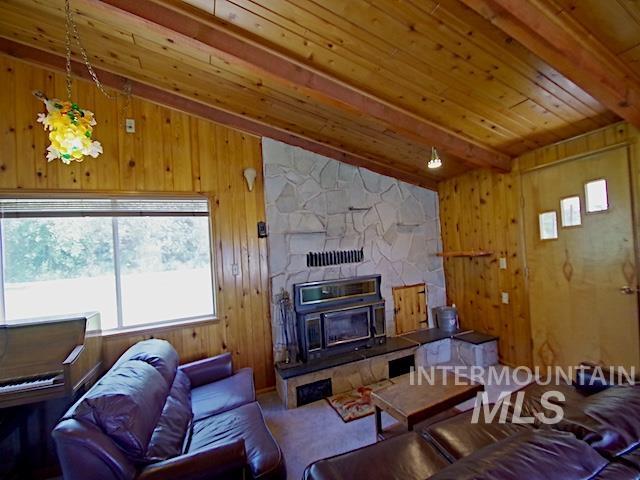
72, 31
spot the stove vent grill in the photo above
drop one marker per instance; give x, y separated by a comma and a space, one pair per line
335, 257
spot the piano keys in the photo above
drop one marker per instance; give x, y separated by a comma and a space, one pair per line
50, 358
28, 384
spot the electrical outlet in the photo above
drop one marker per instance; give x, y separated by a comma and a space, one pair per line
235, 269
505, 298
130, 125
503, 263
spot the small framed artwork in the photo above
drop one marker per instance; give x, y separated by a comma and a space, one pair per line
596, 196
570, 215
548, 225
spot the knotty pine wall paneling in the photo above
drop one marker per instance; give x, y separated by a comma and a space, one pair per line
171, 152
481, 210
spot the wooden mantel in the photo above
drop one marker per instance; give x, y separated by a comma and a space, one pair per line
466, 253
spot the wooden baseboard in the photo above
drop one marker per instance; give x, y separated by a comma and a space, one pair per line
266, 390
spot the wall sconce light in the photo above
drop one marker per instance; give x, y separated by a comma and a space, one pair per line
250, 177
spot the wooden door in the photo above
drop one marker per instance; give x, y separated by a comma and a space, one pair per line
410, 308
578, 311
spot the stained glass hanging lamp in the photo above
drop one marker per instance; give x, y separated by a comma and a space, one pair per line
70, 127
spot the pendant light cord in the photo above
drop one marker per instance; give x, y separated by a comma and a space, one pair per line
72, 31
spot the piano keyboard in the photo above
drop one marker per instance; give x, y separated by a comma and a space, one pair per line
27, 384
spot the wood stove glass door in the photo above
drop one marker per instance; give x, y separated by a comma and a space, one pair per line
347, 325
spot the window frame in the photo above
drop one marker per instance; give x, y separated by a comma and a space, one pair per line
120, 326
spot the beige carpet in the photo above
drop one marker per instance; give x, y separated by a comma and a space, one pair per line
315, 431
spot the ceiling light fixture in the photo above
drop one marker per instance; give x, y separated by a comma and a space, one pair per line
435, 161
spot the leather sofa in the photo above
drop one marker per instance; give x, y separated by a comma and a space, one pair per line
148, 418
598, 438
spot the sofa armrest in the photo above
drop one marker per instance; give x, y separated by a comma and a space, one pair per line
84, 451
227, 461
208, 370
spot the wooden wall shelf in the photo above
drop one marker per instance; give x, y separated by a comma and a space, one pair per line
465, 253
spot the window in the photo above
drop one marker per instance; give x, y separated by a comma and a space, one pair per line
570, 211
136, 261
596, 196
548, 225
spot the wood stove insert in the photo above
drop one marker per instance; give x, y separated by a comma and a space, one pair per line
337, 316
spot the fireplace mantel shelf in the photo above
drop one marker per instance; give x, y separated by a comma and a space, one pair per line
466, 253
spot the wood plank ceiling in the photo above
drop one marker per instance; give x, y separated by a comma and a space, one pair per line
615, 23
425, 72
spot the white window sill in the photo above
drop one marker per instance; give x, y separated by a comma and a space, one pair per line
157, 327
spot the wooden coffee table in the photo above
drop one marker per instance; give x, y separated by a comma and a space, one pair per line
411, 404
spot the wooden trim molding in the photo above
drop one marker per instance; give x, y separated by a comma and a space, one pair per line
187, 105
568, 158
205, 31
549, 31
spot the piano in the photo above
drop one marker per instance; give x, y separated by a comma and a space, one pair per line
45, 359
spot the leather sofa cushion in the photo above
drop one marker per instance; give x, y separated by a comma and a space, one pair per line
608, 420
168, 438
126, 404
618, 471
405, 457
632, 457
245, 422
457, 437
160, 354
223, 395
532, 405
531, 454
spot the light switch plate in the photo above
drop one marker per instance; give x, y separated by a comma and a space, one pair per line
235, 269
503, 263
505, 298
130, 125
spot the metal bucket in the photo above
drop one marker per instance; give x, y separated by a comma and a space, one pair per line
446, 318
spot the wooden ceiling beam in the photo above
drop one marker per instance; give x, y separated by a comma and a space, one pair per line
184, 104
551, 33
203, 30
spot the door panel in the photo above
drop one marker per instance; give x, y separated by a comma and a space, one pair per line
578, 312
410, 308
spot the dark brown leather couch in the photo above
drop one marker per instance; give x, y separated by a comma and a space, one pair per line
150, 419
598, 438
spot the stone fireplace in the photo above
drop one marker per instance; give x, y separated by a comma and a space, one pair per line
316, 204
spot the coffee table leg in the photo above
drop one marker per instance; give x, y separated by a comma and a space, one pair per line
378, 423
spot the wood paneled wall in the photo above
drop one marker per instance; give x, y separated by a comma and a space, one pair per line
170, 152
481, 210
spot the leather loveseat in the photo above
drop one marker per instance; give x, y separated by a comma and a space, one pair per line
150, 419
598, 438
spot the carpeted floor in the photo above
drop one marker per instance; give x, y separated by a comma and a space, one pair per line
316, 431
